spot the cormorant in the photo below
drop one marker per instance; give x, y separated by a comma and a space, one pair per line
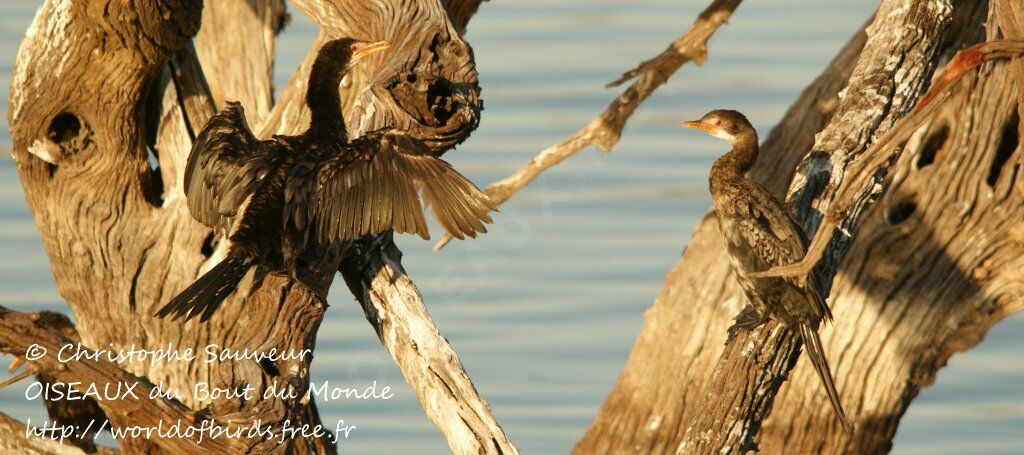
317, 184
761, 233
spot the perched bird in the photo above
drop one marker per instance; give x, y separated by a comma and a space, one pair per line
761, 233
272, 197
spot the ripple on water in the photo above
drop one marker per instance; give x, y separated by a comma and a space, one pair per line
543, 311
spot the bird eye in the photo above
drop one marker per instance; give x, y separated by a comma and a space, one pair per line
718, 121
355, 47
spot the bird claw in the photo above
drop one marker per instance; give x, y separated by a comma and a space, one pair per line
748, 319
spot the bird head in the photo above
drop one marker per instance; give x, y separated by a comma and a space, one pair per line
723, 124
341, 54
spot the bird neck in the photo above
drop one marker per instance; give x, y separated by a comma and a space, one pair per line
324, 102
741, 158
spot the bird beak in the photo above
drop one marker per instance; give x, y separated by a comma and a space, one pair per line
698, 125
369, 49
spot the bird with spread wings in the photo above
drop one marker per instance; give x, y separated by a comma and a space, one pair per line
271, 198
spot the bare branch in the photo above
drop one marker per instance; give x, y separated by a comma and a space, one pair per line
759, 360
396, 310
237, 52
605, 130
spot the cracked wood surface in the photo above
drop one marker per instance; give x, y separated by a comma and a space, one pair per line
390, 300
119, 237
930, 270
891, 72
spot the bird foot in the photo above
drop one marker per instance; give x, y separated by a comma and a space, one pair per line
748, 319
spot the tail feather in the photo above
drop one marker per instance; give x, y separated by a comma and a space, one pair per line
205, 295
812, 343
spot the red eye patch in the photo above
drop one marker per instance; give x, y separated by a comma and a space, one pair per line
355, 47
718, 122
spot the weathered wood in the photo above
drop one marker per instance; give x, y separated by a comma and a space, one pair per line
928, 272
119, 237
923, 287
461, 11
604, 131
290, 114
13, 440
683, 336
82, 159
20, 332
237, 52
425, 84
395, 308
1010, 15
80, 413
391, 302
890, 73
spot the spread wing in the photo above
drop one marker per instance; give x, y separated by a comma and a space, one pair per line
777, 239
374, 184
225, 166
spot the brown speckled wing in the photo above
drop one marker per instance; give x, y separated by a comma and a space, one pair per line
776, 239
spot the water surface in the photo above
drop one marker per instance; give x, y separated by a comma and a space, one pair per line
544, 309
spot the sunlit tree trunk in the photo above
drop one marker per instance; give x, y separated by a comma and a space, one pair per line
102, 89
931, 266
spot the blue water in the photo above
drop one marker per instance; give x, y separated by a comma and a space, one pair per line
544, 309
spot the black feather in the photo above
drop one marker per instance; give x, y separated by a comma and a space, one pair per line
206, 294
812, 343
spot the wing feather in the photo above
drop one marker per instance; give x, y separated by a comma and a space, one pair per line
777, 239
370, 186
225, 166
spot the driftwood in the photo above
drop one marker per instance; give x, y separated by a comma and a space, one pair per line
754, 365
927, 271
99, 91
604, 131
36, 444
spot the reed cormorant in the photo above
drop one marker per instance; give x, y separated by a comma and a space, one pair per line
761, 233
272, 197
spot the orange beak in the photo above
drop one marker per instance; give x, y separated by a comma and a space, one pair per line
698, 125
369, 49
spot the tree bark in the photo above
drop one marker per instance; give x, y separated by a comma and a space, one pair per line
98, 89
927, 272
654, 397
889, 76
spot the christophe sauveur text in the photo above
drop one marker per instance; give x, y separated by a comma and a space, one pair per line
201, 392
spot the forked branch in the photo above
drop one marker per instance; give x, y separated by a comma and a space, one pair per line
604, 131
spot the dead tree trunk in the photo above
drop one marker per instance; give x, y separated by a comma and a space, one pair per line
100, 87
928, 270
